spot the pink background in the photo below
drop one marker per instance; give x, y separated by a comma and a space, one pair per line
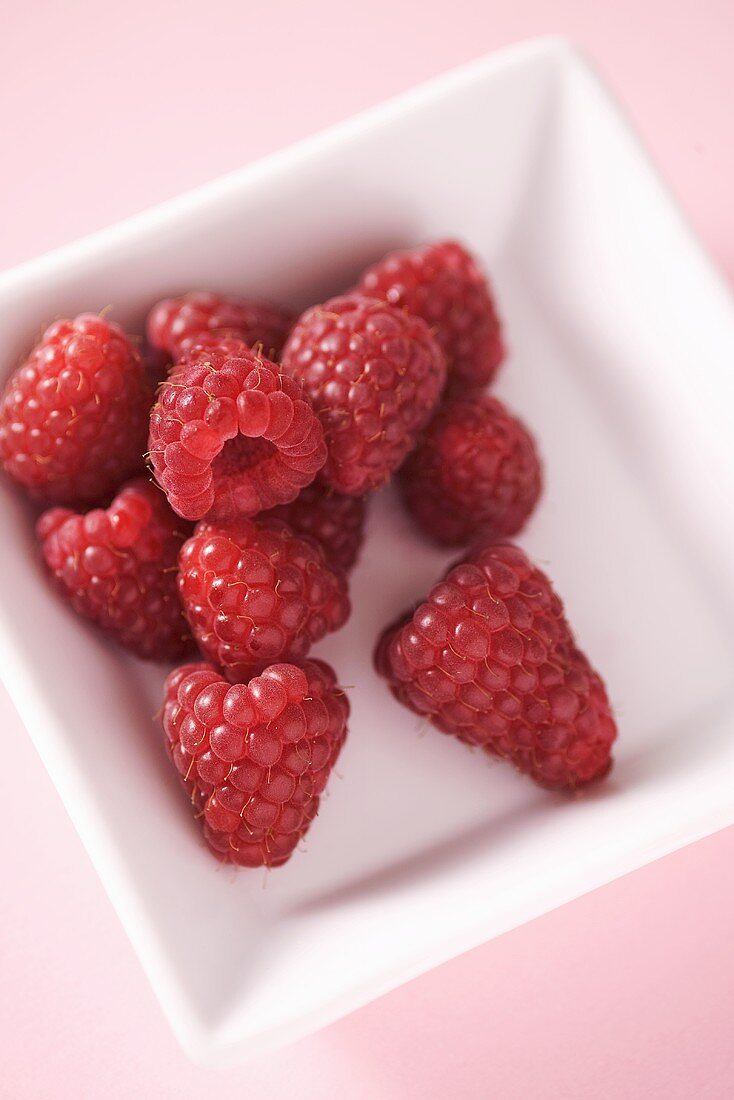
628, 992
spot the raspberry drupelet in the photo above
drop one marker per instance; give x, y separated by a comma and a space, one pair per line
230, 435
490, 658
255, 758
73, 416
174, 323
374, 374
335, 521
444, 284
117, 567
255, 593
475, 472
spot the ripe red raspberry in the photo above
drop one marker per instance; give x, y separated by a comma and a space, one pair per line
374, 375
443, 284
474, 472
255, 757
334, 521
73, 417
255, 593
230, 435
174, 322
490, 658
118, 568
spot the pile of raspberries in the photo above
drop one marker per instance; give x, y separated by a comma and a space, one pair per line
266, 434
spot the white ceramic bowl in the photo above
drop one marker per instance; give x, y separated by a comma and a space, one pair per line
622, 341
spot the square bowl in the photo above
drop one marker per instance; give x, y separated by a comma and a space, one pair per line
622, 341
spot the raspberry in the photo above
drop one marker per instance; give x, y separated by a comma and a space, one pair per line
475, 471
255, 593
334, 521
73, 417
174, 322
374, 375
230, 435
443, 284
118, 568
255, 757
490, 658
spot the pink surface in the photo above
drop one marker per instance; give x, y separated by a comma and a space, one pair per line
628, 992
